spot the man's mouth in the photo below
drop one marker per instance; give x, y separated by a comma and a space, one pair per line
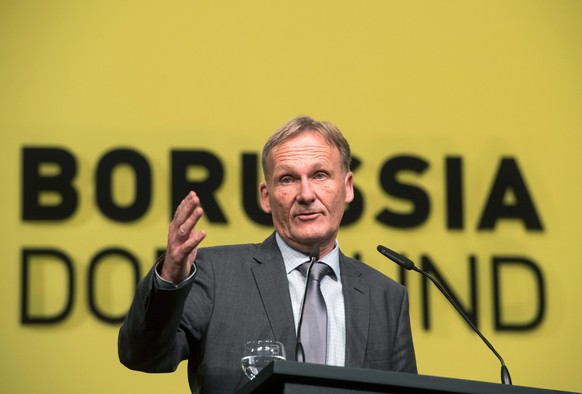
307, 215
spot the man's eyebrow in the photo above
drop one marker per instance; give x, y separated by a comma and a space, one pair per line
281, 168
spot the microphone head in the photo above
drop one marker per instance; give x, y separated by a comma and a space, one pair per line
314, 255
402, 261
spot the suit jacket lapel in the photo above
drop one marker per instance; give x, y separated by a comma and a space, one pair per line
272, 283
357, 303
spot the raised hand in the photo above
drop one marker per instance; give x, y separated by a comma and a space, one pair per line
183, 240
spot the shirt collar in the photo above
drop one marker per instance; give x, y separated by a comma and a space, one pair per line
293, 258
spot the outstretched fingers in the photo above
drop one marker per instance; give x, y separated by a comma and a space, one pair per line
183, 238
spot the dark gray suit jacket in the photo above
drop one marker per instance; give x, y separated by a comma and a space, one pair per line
241, 293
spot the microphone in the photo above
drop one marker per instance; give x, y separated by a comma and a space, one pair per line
406, 263
313, 258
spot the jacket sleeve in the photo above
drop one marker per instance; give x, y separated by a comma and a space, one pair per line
404, 358
156, 334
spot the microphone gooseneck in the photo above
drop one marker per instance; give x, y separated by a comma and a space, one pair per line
406, 263
313, 258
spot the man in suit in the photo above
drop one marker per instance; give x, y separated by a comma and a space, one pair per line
203, 304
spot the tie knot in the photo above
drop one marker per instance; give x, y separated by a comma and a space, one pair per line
318, 271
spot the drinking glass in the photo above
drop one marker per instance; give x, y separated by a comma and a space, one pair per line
258, 354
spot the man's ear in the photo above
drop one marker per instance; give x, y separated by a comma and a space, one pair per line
264, 192
349, 185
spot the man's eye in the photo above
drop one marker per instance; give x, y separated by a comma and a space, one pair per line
286, 179
320, 175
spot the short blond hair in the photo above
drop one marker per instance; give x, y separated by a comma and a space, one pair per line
302, 124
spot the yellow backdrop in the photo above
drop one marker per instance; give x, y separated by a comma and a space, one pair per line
435, 80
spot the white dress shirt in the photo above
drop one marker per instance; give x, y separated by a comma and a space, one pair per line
332, 294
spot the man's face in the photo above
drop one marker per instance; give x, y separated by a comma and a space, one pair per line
306, 191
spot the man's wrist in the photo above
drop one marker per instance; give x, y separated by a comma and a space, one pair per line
168, 284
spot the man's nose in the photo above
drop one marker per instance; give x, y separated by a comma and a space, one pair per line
306, 191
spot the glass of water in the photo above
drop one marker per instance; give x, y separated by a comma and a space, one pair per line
258, 354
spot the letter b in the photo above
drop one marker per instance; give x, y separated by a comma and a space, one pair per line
34, 184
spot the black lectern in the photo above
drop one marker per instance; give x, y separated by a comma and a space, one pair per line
291, 377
